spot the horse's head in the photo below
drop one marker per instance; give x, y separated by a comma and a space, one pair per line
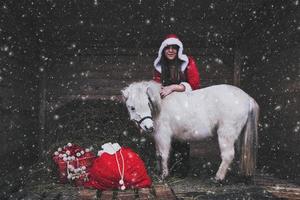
141, 104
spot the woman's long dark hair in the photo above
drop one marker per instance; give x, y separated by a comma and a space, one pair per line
171, 71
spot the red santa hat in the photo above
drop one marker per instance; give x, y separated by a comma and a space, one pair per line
171, 39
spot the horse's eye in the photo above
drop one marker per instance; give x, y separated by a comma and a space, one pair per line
132, 108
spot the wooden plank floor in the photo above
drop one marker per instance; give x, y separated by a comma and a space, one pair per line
279, 188
157, 192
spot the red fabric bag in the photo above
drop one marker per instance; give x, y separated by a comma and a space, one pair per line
107, 171
73, 163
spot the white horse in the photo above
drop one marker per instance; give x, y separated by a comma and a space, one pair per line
222, 109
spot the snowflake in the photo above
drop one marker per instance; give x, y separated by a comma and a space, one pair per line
4, 48
296, 129
125, 133
219, 61
84, 97
278, 107
44, 57
148, 21
216, 34
210, 192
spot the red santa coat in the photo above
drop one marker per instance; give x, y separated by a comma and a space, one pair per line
188, 65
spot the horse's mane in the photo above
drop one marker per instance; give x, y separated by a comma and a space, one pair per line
138, 91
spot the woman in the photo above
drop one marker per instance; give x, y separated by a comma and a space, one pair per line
177, 73
173, 69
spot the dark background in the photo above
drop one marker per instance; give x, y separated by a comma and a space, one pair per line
53, 52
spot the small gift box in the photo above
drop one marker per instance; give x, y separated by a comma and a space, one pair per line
73, 163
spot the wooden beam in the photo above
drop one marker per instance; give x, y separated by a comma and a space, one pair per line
145, 194
164, 192
126, 195
87, 194
107, 195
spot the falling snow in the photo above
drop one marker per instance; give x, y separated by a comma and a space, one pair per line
57, 57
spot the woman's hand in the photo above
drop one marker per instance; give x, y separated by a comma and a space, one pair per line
166, 90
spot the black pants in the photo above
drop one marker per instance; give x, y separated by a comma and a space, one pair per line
179, 162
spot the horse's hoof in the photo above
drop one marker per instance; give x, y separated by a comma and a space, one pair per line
218, 182
214, 180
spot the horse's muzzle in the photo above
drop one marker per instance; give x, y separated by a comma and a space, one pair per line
145, 128
149, 130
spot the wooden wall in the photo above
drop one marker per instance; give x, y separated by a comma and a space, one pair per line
95, 48
103, 76
270, 72
19, 105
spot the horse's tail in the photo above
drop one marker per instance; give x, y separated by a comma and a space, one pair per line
249, 141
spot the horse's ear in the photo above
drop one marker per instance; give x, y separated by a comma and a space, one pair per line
125, 94
154, 100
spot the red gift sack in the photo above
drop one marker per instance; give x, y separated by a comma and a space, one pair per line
73, 163
121, 170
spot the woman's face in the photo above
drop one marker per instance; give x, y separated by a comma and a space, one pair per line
171, 52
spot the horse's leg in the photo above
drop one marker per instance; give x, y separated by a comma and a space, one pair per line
226, 145
163, 145
158, 161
